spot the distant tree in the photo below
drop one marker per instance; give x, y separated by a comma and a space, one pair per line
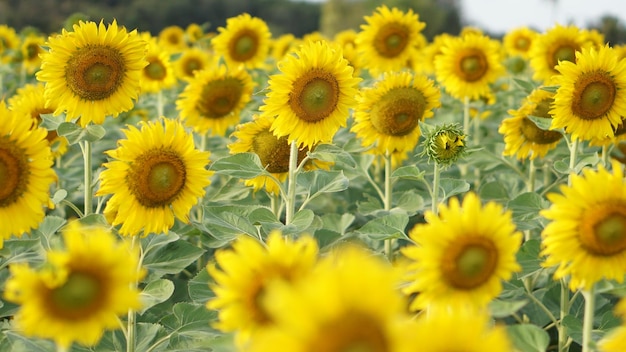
614, 31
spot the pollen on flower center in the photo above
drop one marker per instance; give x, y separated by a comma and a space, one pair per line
605, 234
469, 263
274, 152
13, 173
219, 97
534, 134
594, 94
399, 111
79, 294
315, 95
157, 178
391, 40
95, 72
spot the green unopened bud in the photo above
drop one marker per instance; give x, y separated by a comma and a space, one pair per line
445, 144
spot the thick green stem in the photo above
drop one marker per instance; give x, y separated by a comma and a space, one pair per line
290, 202
435, 195
88, 200
590, 306
532, 173
563, 312
573, 154
160, 103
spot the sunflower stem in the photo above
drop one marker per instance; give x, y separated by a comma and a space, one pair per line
466, 127
573, 152
86, 148
605, 155
532, 173
290, 201
387, 200
590, 301
476, 140
160, 103
563, 312
435, 194
132, 315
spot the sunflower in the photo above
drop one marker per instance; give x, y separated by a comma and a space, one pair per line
213, 99
9, 40
591, 98
462, 255
586, 236
242, 275
518, 41
26, 173
349, 303
29, 101
615, 340
312, 95
244, 41
172, 39
459, 330
159, 73
80, 292
194, 32
467, 65
93, 71
283, 45
388, 114
556, 45
31, 49
424, 62
156, 175
192, 60
389, 39
522, 137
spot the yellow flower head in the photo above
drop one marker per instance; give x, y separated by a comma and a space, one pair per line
243, 274
244, 41
312, 95
193, 60
159, 73
467, 66
518, 41
349, 303
93, 71
156, 175
172, 39
31, 50
586, 236
389, 113
214, 98
26, 173
462, 255
81, 291
9, 40
522, 137
591, 99
556, 45
389, 39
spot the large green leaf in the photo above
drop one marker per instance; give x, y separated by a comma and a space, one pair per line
528, 337
386, 227
171, 258
198, 287
155, 292
322, 181
241, 165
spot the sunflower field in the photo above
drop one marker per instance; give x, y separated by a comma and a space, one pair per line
374, 191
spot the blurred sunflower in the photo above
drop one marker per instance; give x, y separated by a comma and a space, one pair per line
591, 99
26, 173
586, 236
193, 33
522, 137
9, 40
312, 94
213, 99
242, 275
93, 71
389, 39
389, 113
349, 303
462, 255
558, 44
31, 50
159, 73
192, 60
255, 136
282, 45
467, 66
518, 41
459, 330
29, 101
156, 175
81, 291
615, 340
244, 41
424, 63
172, 39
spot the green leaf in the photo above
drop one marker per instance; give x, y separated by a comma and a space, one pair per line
74, 133
171, 258
154, 242
528, 258
525, 208
198, 287
51, 122
21, 343
262, 215
527, 86
386, 227
147, 335
551, 89
452, 187
59, 195
95, 133
494, 191
502, 309
225, 224
155, 292
410, 201
241, 165
410, 172
322, 181
337, 223
302, 219
528, 337
94, 220
332, 153
543, 123
188, 319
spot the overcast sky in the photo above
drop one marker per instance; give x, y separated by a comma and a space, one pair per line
500, 16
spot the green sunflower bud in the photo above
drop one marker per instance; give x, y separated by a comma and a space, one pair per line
445, 144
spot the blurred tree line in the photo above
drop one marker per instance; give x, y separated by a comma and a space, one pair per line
283, 16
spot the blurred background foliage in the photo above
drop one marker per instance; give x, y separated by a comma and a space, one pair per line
298, 17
